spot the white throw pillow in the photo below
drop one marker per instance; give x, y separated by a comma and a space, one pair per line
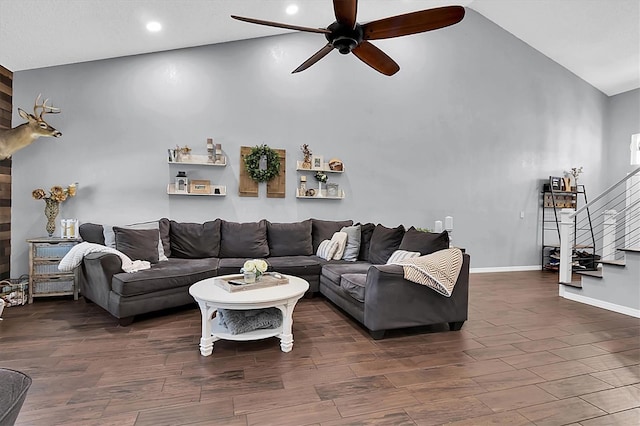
110, 236
354, 236
327, 249
341, 239
399, 255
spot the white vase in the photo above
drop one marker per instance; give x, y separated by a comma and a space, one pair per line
319, 194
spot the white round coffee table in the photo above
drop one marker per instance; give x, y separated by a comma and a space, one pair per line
211, 297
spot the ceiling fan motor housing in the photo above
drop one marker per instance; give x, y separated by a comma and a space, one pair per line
344, 38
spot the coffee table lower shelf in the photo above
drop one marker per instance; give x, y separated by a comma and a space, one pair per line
221, 333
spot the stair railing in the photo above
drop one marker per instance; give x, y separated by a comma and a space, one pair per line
604, 225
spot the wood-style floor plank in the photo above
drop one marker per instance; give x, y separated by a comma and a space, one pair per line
524, 357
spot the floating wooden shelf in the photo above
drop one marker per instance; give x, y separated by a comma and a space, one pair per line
201, 160
324, 196
171, 190
325, 168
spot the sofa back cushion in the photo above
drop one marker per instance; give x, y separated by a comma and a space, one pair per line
248, 240
384, 241
424, 242
366, 231
92, 233
290, 239
324, 230
195, 240
138, 244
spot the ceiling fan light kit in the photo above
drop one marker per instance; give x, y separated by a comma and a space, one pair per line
346, 35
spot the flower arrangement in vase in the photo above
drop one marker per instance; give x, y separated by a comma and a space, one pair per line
573, 176
306, 152
253, 270
321, 177
57, 194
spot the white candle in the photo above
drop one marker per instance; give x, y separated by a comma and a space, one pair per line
438, 226
448, 223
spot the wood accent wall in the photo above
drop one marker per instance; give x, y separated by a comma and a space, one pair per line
6, 106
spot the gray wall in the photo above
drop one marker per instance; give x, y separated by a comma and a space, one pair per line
467, 128
623, 121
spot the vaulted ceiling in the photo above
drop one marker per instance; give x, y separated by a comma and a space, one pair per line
598, 40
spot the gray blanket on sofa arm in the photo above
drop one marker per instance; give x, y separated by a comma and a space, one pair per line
238, 322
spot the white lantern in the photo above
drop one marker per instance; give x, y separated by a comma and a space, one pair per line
182, 183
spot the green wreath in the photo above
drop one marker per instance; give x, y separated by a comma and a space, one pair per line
252, 163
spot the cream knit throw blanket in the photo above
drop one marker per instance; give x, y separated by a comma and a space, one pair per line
74, 257
438, 271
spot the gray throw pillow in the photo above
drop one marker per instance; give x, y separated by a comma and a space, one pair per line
324, 229
424, 242
164, 226
195, 240
366, 231
384, 241
290, 239
92, 233
248, 240
138, 244
353, 242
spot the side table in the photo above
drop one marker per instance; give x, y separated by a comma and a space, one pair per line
45, 279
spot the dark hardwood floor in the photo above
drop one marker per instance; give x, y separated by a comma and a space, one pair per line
525, 356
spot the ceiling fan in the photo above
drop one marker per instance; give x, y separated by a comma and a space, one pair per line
348, 36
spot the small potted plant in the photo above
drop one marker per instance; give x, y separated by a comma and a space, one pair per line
253, 270
306, 152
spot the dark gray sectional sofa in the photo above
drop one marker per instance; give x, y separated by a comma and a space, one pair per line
373, 293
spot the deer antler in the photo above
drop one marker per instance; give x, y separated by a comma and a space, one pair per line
46, 109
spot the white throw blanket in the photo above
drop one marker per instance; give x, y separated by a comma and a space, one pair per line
438, 271
74, 257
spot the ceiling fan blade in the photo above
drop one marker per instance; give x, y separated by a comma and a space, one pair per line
345, 11
279, 25
413, 23
315, 58
376, 58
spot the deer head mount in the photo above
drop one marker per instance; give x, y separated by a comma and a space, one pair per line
12, 140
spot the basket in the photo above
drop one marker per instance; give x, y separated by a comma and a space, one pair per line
15, 291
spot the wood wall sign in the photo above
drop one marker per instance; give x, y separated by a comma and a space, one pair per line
276, 187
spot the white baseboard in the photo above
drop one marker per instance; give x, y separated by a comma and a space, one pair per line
505, 269
625, 310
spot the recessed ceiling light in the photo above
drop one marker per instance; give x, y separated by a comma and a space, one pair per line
292, 9
154, 26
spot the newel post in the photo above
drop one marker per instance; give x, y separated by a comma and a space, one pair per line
609, 235
566, 246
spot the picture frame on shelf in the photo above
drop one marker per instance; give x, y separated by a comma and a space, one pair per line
317, 162
198, 186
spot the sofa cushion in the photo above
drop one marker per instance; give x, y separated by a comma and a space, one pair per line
244, 239
353, 242
333, 271
300, 266
195, 240
174, 273
138, 244
231, 265
327, 249
399, 255
290, 239
324, 230
341, 239
110, 237
384, 241
164, 226
424, 242
366, 231
92, 233
354, 285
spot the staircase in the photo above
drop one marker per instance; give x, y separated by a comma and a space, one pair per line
614, 284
